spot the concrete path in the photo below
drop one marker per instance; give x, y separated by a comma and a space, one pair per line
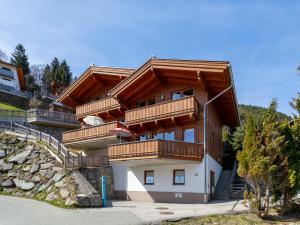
20, 211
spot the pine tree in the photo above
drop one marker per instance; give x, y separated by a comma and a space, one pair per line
46, 80
248, 159
237, 139
20, 59
65, 73
55, 70
261, 156
271, 143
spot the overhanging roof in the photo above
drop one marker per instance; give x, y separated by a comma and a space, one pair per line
215, 76
93, 75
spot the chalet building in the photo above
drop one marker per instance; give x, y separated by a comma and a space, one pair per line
12, 80
158, 110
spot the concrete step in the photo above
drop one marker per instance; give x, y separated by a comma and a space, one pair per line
223, 186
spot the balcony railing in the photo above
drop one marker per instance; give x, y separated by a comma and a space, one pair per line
99, 106
12, 90
89, 132
7, 73
163, 110
51, 116
12, 113
155, 149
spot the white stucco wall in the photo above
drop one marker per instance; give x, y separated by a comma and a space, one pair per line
12, 83
132, 178
213, 165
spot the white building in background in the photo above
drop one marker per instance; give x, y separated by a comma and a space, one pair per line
12, 80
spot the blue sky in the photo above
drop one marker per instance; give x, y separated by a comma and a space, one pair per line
261, 39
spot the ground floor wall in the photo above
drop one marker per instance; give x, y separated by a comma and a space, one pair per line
129, 182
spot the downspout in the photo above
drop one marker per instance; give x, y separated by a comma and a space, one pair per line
205, 130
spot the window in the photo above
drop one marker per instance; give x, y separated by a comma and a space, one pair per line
189, 135
141, 104
149, 177
6, 68
178, 177
151, 102
180, 94
170, 136
188, 92
162, 97
142, 137
159, 136
176, 95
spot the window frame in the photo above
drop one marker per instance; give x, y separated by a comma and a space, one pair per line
145, 177
188, 128
181, 93
169, 131
174, 175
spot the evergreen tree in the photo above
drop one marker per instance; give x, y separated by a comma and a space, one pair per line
65, 73
261, 156
237, 137
270, 148
55, 70
20, 59
248, 159
46, 80
295, 104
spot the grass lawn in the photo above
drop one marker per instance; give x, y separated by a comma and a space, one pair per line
231, 219
8, 107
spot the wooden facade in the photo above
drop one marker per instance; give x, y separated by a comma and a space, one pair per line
106, 105
159, 97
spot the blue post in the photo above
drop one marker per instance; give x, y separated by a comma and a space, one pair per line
103, 186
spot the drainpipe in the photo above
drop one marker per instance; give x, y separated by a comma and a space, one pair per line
204, 140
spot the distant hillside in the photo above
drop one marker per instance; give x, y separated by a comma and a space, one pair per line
257, 110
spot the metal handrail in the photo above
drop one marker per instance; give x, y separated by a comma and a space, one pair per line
41, 136
233, 175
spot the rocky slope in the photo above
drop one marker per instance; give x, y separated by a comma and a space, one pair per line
28, 170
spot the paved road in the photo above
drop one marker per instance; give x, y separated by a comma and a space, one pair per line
20, 211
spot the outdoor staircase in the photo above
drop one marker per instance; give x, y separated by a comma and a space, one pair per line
222, 191
237, 188
230, 185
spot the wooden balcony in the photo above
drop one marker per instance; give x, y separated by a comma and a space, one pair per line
52, 118
155, 149
91, 137
100, 107
185, 108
